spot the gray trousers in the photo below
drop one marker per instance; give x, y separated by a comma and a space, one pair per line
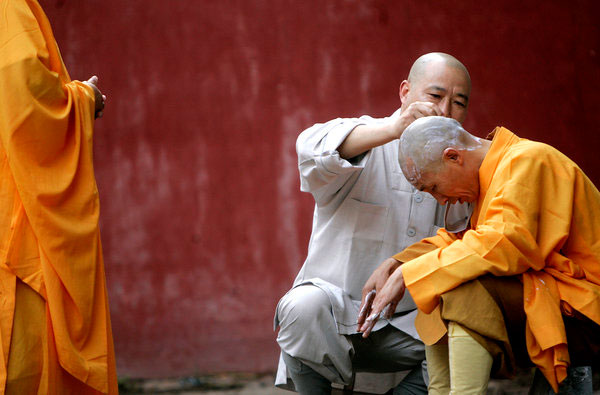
310, 342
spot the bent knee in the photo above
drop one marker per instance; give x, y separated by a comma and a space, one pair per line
303, 304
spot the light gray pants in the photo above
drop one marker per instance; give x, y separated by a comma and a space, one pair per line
308, 334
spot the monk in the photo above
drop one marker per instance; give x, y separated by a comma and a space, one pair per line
55, 332
534, 233
365, 211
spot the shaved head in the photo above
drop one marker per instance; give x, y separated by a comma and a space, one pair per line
417, 71
422, 144
441, 158
440, 79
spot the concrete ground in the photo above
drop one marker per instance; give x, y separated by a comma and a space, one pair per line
262, 384
216, 384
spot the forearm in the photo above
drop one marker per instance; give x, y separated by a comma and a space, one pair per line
440, 240
366, 137
479, 252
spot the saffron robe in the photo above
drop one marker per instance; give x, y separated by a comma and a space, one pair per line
54, 315
537, 216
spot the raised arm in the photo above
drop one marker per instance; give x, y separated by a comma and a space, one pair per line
323, 172
366, 137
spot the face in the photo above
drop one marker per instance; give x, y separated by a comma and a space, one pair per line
445, 86
454, 182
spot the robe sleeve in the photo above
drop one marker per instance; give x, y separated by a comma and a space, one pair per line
504, 241
442, 239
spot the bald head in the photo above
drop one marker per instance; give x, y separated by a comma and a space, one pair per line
439, 79
418, 69
423, 143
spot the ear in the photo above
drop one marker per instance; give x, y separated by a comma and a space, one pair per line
454, 156
403, 90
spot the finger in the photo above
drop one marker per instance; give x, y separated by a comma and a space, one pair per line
423, 110
429, 109
420, 113
99, 114
437, 111
366, 306
369, 324
368, 329
374, 317
385, 311
378, 306
391, 309
366, 309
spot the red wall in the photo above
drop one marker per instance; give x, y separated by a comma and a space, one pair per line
203, 224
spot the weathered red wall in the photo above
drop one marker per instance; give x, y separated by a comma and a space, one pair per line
203, 223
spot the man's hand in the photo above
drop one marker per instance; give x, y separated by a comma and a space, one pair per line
384, 301
416, 110
99, 97
372, 286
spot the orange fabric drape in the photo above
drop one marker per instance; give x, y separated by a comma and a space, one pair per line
49, 234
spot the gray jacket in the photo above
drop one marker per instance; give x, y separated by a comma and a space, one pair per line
365, 212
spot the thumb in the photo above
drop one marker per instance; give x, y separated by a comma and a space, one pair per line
93, 80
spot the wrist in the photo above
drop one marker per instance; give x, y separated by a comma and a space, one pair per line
393, 264
390, 130
397, 275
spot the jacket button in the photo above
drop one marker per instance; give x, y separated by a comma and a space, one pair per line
411, 232
418, 198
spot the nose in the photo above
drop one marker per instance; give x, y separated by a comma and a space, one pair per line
445, 107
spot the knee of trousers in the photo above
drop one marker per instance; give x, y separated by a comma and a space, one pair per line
303, 311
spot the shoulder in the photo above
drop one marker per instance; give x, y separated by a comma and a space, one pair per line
535, 156
535, 150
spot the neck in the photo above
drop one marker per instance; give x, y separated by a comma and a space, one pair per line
480, 153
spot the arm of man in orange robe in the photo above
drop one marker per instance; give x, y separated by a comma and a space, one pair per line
379, 277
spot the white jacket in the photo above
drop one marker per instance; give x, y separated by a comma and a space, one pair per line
365, 212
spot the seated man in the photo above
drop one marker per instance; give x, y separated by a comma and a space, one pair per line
536, 217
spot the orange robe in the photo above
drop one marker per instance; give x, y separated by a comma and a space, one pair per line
55, 334
537, 216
